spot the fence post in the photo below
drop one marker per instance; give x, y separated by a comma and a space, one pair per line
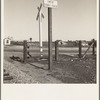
80, 49
56, 51
93, 50
25, 51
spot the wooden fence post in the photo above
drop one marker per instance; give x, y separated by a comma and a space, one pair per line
25, 51
56, 50
93, 50
80, 49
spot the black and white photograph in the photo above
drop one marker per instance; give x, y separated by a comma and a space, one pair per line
50, 42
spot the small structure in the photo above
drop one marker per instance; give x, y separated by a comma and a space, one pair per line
7, 41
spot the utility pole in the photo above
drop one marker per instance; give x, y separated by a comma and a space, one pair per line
50, 38
50, 4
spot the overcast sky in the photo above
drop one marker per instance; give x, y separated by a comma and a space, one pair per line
71, 20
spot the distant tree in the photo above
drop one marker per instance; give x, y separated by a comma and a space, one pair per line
30, 39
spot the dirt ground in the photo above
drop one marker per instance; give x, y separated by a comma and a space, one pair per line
68, 69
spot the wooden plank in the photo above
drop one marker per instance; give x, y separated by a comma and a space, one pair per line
6, 74
88, 49
38, 65
8, 78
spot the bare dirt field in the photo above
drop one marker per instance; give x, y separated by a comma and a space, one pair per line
68, 69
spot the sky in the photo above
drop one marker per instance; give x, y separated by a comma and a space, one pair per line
71, 20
